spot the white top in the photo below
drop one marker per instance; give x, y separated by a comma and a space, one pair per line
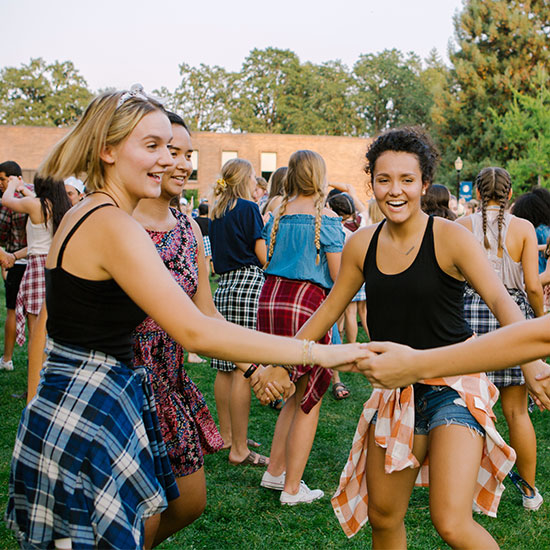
39, 237
509, 272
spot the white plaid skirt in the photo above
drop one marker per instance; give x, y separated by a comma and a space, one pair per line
481, 321
237, 298
89, 462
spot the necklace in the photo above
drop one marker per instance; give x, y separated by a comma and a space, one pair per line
103, 193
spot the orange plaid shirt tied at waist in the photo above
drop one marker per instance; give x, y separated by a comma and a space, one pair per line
394, 431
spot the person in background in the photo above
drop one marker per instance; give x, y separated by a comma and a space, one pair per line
436, 202
238, 253
203, 222
13, 237
275, 196
305, 241
75, 189
259, 195
511, 246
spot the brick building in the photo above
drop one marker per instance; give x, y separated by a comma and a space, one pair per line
344, 156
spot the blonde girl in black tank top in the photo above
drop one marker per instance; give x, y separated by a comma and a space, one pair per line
122, 144
401, 164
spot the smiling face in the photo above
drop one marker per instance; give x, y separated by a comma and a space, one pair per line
139, 162
397, 185
175, 178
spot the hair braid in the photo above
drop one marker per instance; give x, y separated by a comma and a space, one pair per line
319, 202
275, 228
493, 184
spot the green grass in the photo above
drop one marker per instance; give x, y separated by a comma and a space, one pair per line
240, 514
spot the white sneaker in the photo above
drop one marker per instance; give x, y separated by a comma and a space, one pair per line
534, 502
305, 495
273, 482
6, 365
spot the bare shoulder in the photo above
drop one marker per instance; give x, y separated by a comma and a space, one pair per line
522, 226
330, 213
448, 229
360, 240
465, 221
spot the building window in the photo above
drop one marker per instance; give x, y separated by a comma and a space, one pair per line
268, 164
228, 155
195, 162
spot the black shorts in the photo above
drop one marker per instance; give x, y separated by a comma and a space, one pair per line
12, 283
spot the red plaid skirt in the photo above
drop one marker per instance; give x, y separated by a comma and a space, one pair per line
285, 305
31, 294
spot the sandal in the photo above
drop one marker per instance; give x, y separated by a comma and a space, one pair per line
340, 391
253, 459
249, 442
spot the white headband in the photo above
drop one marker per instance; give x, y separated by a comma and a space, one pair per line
136, 90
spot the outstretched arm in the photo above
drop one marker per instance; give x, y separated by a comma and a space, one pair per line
397, 365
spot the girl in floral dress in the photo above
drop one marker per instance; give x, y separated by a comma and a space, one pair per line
187, 427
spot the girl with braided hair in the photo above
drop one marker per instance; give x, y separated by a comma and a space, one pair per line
511, 246
304, 240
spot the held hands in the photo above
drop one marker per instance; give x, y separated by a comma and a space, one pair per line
537, 378
6, 259
389, 365
271, 383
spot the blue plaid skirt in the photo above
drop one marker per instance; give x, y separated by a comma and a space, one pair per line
89, 462
481, 321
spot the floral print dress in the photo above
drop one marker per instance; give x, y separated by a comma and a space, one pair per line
187, 427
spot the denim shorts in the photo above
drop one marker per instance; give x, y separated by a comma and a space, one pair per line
439, 406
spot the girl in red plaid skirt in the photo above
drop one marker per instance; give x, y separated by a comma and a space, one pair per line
305, 241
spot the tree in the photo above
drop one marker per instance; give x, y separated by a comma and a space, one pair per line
203, 97
42, 94
319, 101
389, 91
526, 129
500, 45
262, 91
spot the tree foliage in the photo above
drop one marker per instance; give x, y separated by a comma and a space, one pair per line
500, 46
202, 98
389, 91
42, 94
526, 131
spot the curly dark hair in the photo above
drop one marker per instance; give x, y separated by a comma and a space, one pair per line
534, 206
408, 139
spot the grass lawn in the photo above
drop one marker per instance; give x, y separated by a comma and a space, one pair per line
240, 514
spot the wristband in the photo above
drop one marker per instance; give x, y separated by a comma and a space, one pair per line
250, 371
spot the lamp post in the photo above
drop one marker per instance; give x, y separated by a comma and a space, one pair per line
458, 168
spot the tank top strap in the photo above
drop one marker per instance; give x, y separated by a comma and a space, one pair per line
427, 246
373, 245
73, 231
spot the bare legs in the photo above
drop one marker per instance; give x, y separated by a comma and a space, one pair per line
455, 453
522, 434
232, 392
9, 334
293, 439
186, 508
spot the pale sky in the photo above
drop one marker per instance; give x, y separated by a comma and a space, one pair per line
117, 43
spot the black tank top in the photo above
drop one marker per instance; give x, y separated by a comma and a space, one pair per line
95, 315
422, 307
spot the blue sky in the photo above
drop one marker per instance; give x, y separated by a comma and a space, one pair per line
116, 43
